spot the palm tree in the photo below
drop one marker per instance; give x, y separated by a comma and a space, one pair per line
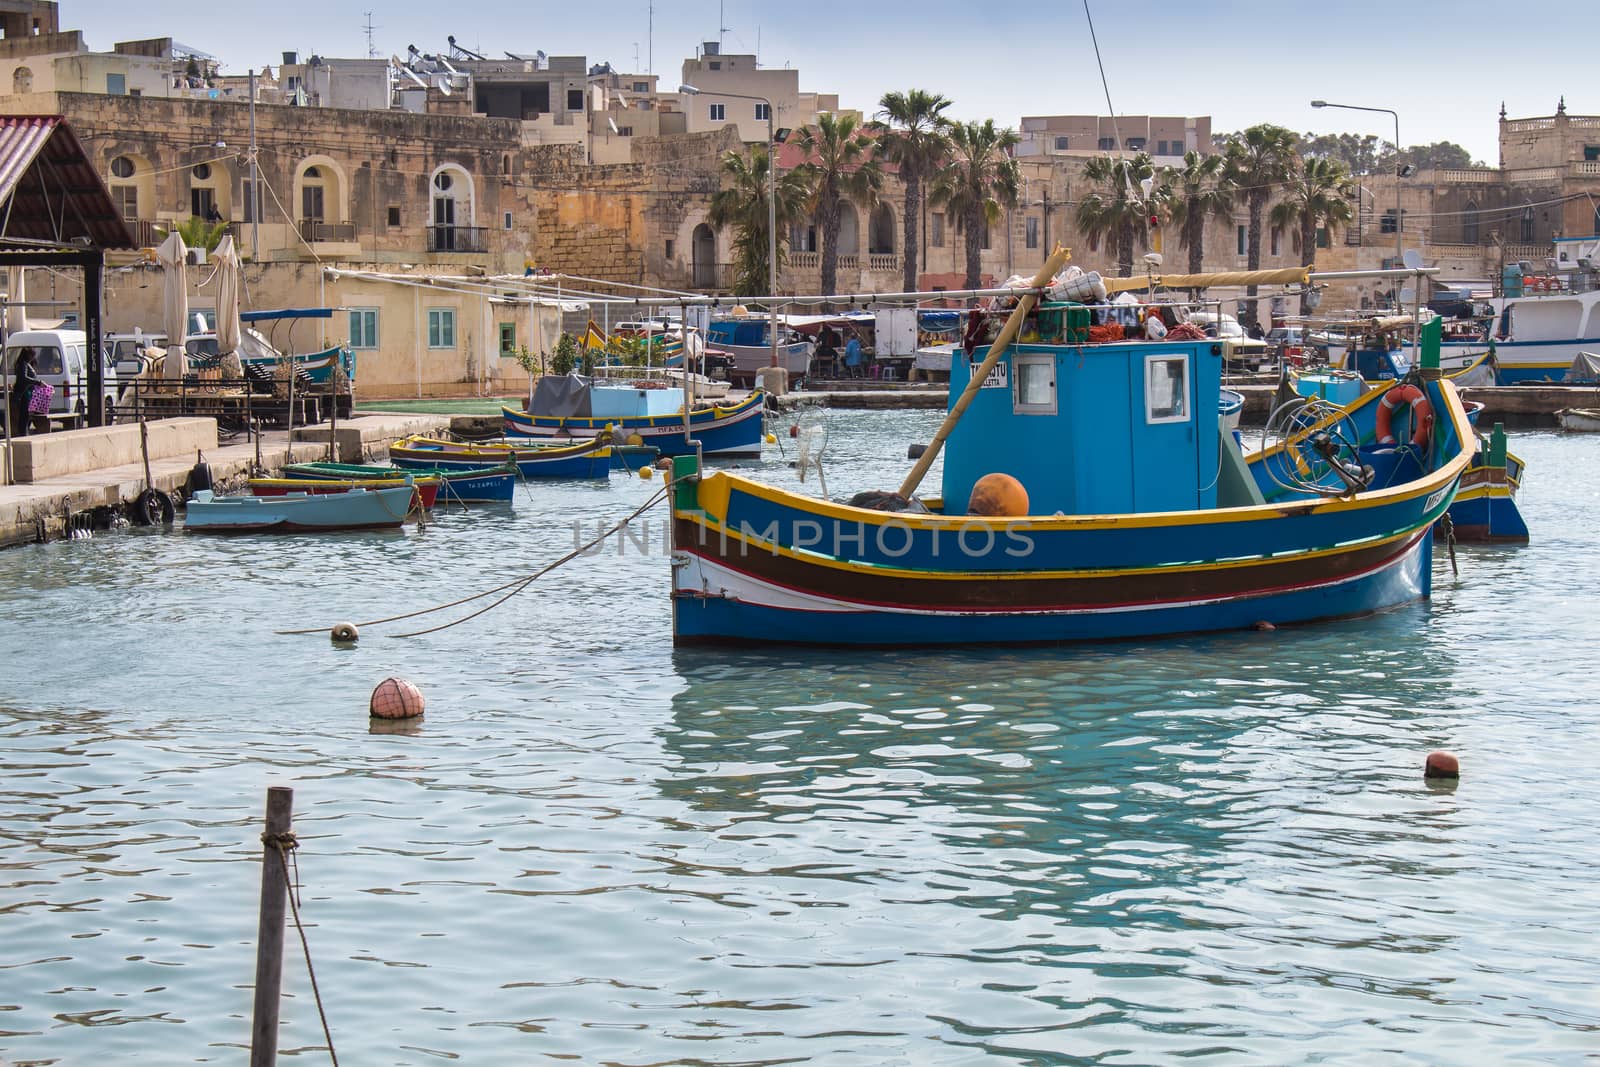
1259, 160
1318, 196
841, 165
1117, 210
742, 204
978, 181
914, 140
1200, 190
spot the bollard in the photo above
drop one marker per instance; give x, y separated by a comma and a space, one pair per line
269, 935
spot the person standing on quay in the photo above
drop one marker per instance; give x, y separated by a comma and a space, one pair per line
25, 379
852, 355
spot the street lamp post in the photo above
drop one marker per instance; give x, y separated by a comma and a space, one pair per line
1398, 250
772, 211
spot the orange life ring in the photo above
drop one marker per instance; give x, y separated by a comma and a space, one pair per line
1421, 415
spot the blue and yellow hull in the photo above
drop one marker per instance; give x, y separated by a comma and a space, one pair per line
729, 431
755, 563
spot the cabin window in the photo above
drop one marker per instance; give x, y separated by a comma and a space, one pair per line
363, 327
1166, 389
1033, 385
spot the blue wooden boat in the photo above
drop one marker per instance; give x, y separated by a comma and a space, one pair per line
1142, 516
318, 367
357, 509
573, 408
589, 458
469, 486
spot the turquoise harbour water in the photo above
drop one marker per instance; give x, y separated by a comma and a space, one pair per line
597, 849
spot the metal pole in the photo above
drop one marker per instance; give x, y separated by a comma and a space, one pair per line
93, 279
255, 179
1399, 250
772, 229
269, 935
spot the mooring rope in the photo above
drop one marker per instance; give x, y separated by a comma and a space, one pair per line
516, 585
287, 845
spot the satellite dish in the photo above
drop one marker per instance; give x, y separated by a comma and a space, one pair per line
1412, 259
612, 123
1146, 185
443, 85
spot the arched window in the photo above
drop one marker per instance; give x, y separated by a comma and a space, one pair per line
22, 80
1525, 230
849, 243
1469, 223
880, 231
452, 213
210, 192
703, 249
319, 199
132, 185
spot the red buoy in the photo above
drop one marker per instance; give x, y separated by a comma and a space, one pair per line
1441, 765
396, 698
794, 429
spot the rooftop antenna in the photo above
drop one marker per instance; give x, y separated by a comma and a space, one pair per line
372, 48
636, 55
651, 37
722, 27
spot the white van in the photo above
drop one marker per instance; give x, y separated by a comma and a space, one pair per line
60, 358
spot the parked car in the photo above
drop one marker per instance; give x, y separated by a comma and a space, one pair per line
60, 357
1243, 352
1286, 344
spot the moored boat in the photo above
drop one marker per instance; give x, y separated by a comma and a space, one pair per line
467, 485
427, 488
584, 459
1125, 509
1579, 420
576, 408
748, 339
355, 509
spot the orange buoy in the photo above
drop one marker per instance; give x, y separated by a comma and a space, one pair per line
998, 495
794, 429
396, 698
1441, 765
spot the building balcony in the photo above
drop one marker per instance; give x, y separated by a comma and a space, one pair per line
885, 262
458, 239
805, 260
316, 231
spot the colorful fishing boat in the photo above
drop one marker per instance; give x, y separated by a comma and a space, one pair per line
585, 459
577, 408
748, 339
1485, 508
319, 368
1090, 492
357, 509
427, 488
468, 486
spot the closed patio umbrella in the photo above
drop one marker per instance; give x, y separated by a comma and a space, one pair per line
175, 302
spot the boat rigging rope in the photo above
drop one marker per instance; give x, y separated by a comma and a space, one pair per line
514, 586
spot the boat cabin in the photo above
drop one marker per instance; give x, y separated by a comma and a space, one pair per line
1098, 429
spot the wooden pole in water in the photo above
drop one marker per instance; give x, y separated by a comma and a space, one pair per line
1008, 333
269, 936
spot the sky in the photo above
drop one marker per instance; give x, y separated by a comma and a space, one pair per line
1239, 61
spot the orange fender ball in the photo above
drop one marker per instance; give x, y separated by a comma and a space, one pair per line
396, 698
1441, 765
998, 495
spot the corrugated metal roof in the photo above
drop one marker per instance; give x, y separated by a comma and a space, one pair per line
50, 192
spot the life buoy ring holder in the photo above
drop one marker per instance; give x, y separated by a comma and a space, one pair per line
1421, 415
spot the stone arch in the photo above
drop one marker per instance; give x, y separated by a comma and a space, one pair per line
211, 183
320, 192
452, 207
131, 179
880, 231
703, 257
1470, 229
849, 243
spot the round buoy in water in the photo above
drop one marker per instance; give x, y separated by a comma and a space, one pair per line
794, 429
647, 472
1441, 765
344, 633
998, 495
772, 438
396, 698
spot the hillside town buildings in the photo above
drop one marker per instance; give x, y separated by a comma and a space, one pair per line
353, 181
